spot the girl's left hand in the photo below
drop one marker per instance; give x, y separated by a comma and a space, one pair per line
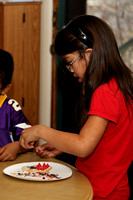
29, 136
47, 151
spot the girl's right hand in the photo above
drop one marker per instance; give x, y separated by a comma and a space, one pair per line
47, 151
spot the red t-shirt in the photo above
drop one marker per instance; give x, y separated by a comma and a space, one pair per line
106, 168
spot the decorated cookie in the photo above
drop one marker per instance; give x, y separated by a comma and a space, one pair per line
45, 168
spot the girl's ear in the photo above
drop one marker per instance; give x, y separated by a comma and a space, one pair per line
6, 89
89, 50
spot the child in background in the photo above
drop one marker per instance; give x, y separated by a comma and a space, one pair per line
104, 145
12, 119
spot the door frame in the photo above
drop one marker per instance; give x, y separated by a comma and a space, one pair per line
54, 68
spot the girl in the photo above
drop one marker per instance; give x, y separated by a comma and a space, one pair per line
104, 144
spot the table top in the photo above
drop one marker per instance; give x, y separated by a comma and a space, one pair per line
76, 187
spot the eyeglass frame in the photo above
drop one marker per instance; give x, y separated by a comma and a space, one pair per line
68, 66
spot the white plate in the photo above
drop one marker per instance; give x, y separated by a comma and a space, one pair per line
61, 171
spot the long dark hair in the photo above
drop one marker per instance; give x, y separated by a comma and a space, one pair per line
105, 61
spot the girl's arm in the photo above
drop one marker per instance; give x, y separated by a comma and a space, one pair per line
81, 144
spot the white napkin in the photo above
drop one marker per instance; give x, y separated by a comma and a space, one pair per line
23, 125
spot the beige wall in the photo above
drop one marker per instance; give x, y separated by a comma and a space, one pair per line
45, 63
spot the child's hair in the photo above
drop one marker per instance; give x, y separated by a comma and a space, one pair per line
88, 31
6, 68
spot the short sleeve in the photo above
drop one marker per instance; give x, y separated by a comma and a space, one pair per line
17, 117
104, 103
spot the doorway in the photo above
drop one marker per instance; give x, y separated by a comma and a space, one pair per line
65, 89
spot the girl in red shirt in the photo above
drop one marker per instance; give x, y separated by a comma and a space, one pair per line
104, 145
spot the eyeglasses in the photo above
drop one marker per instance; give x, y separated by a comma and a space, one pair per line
68, 65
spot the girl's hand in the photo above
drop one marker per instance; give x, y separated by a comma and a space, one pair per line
9, 151
29, 136
46, 150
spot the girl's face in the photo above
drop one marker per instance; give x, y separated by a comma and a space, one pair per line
77, 64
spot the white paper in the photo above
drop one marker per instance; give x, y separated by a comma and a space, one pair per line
23, 125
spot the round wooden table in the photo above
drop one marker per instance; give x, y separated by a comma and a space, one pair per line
77, 187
